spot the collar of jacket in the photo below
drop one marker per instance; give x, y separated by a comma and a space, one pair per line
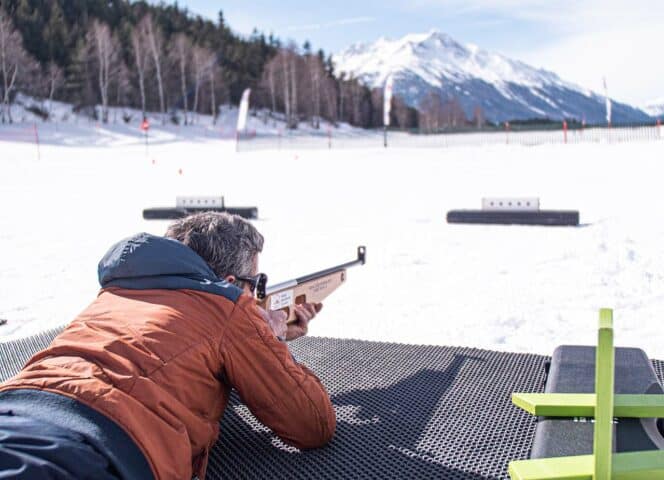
146, 261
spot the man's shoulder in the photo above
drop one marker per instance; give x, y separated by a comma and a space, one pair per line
247, 321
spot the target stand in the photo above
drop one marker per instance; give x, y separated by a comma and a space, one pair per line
189, 205
514, 211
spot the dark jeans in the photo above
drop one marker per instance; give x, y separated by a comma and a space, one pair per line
48, 435
32, 449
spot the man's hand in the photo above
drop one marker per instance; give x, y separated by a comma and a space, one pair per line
276, 320
304, 313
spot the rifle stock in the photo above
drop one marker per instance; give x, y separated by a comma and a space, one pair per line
312, 288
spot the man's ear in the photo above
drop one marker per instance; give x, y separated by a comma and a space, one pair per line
230, 278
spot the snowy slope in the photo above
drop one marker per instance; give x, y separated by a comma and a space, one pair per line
655, 107
425, 281
504, 88
124, 120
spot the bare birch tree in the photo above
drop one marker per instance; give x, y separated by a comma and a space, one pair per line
404, 115
55, 79
182, 52
284, 57
316, 71
269, 81
298, 85
430, 111
212, 73
105, 51
14, 61
155, 44
200, 59
478, 117
436, 113
277, 82
355, 92
294, 58
139, 47
329, 92
122, 84
452, 113
342, 95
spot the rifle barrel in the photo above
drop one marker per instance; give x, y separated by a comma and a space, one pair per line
361, 259
280, 286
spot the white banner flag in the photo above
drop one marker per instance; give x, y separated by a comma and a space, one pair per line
244, 108
608, 103
387, 100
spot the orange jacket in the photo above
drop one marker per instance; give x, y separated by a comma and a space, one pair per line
161, 364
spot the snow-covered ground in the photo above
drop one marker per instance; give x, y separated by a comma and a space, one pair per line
500, 287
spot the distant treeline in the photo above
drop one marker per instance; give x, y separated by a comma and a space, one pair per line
163, 58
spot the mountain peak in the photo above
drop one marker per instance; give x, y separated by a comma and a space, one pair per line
505, 89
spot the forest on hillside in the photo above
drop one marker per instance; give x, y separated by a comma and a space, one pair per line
163, 58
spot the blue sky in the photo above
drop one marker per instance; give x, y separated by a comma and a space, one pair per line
581, 40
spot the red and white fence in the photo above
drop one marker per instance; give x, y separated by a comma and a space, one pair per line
325, 138
333, 139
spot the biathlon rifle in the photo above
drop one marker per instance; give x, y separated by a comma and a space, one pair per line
312, 288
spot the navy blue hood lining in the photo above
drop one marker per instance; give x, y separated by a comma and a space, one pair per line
145, 261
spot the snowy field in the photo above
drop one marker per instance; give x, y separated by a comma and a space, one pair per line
507, 288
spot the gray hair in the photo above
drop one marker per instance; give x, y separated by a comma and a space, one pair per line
227, 243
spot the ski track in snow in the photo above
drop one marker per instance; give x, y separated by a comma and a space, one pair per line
513, 288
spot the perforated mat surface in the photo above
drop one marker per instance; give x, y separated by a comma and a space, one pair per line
403, 411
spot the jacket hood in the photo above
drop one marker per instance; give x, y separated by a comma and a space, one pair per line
145, 261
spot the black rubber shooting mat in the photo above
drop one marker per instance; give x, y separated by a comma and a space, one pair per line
403, 411
551, 218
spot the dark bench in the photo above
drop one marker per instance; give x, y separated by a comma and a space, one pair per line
572, 370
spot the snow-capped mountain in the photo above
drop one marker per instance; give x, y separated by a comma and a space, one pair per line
655, 107
505, 89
